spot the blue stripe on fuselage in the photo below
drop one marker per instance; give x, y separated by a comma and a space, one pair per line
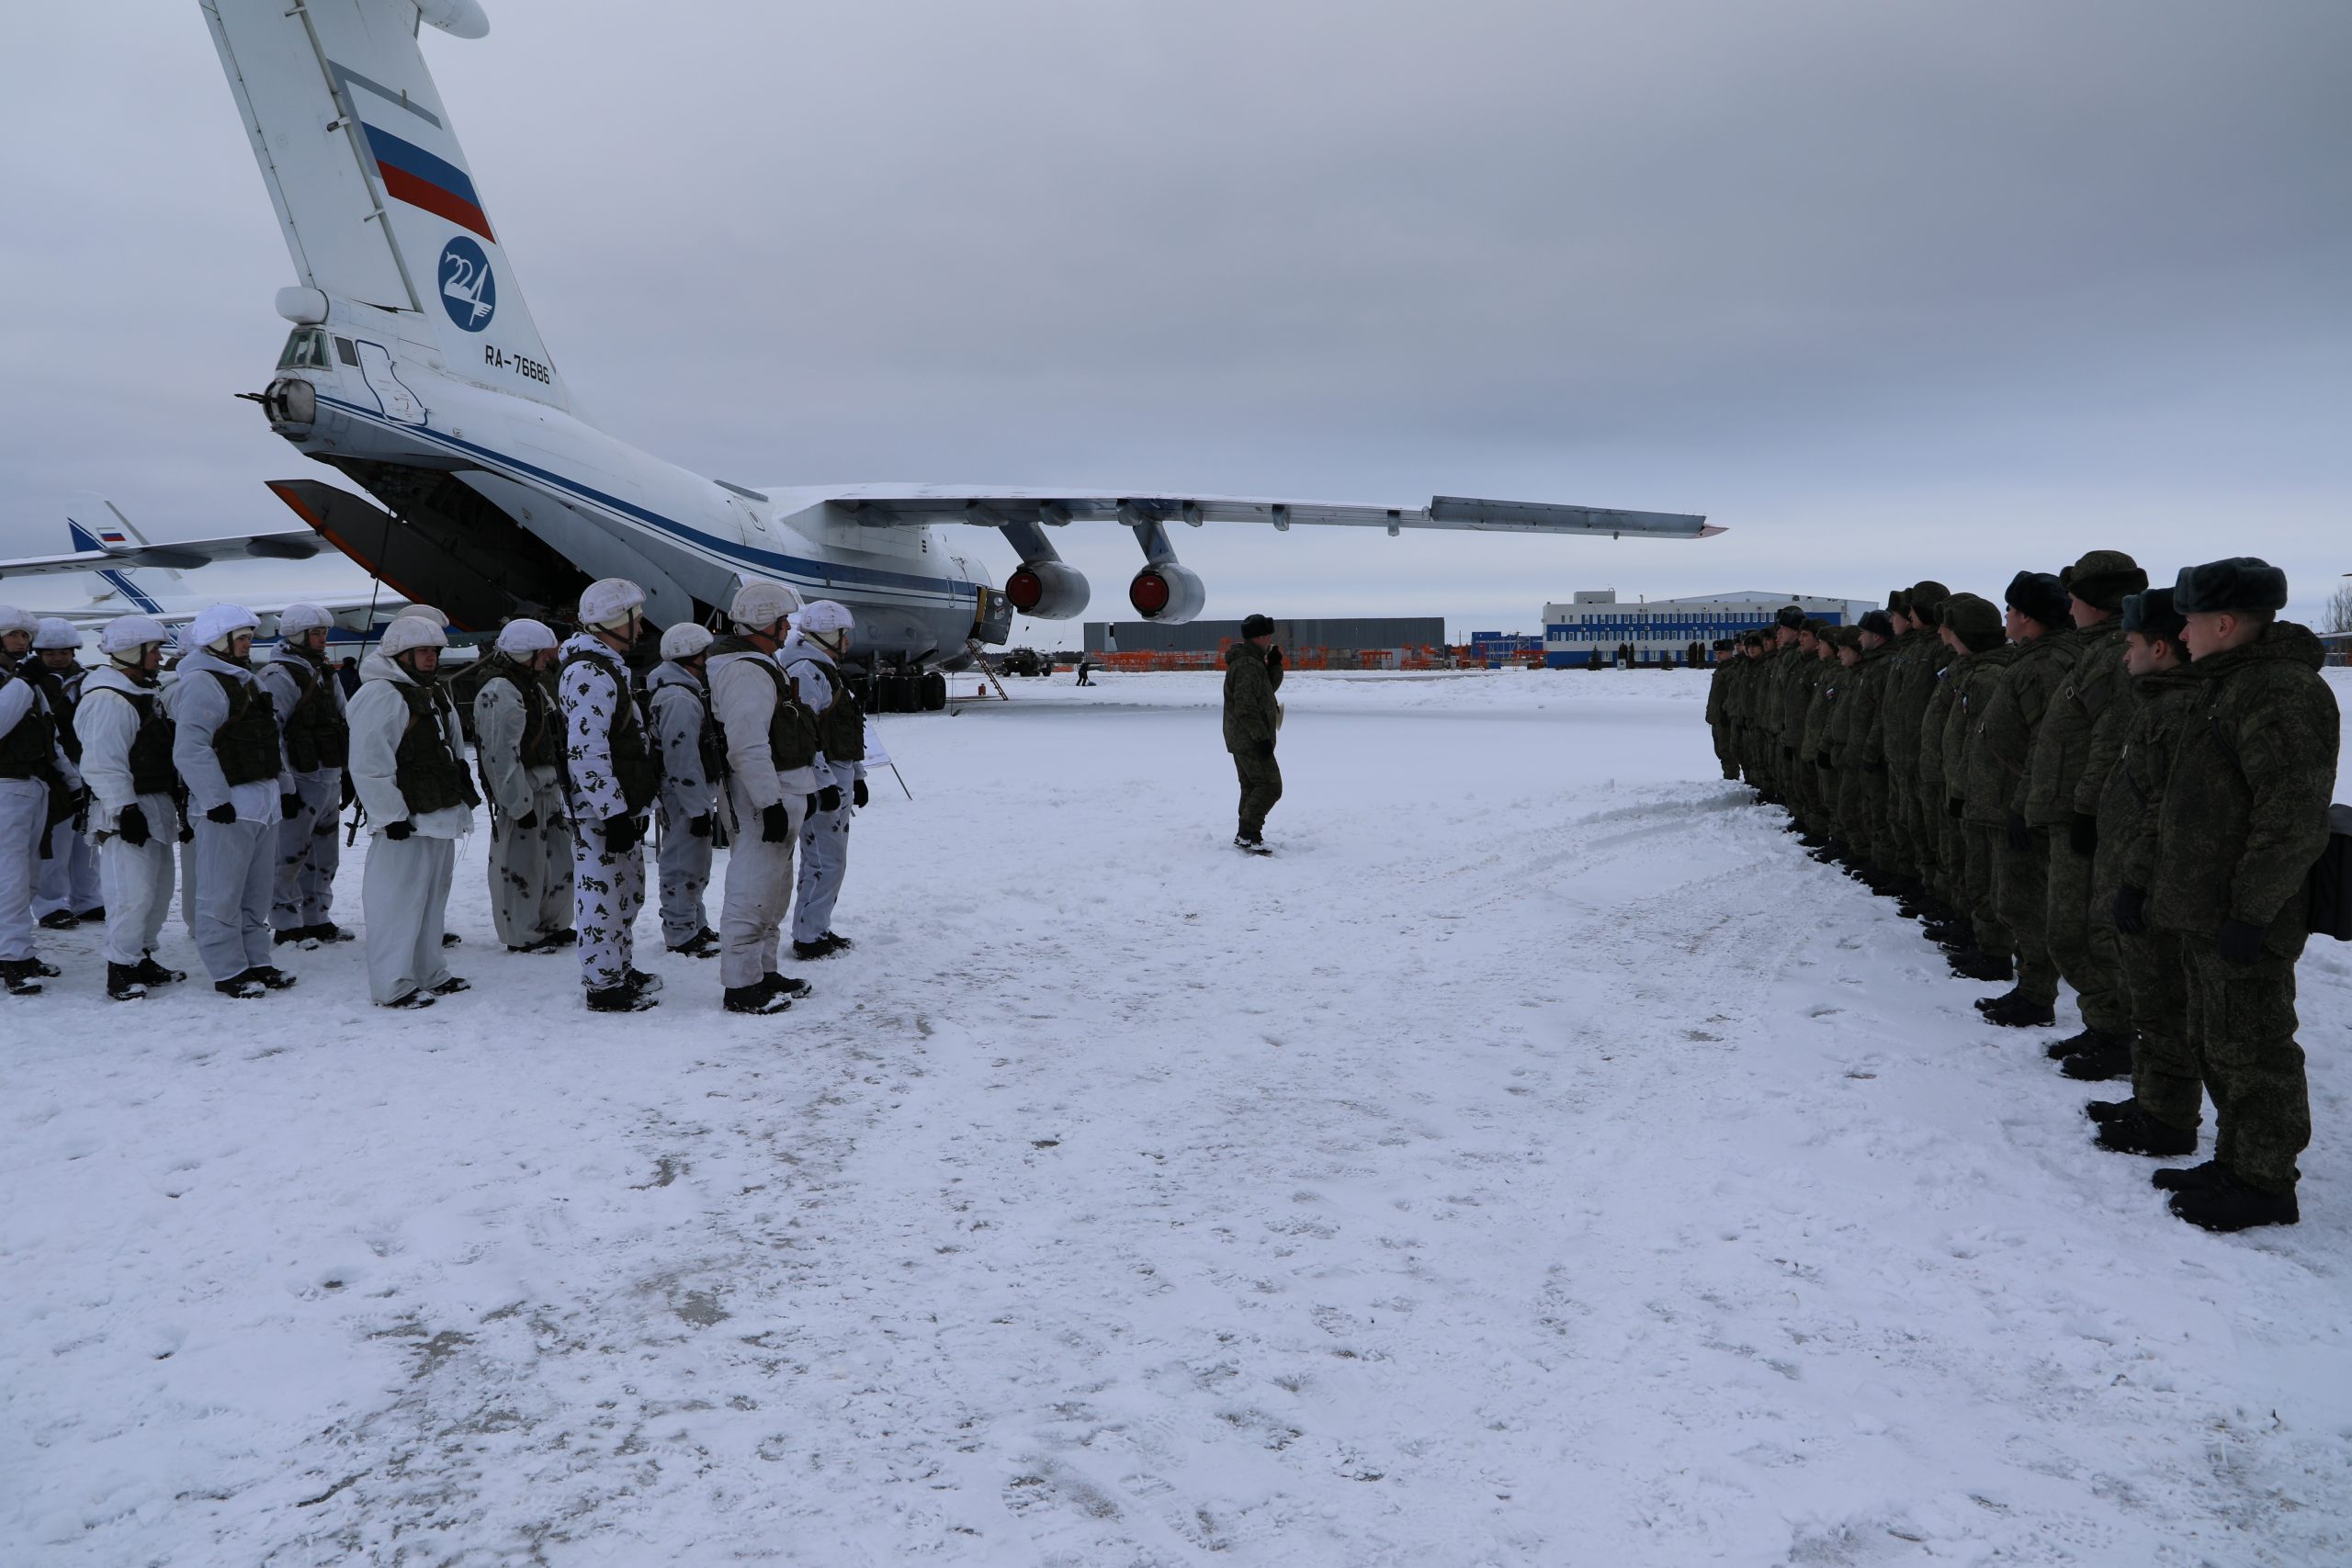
950, 588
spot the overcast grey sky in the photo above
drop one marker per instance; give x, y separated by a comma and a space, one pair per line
1890, 290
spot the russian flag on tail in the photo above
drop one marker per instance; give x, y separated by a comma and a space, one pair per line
414, 175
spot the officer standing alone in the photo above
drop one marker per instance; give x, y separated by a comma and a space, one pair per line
1253, 673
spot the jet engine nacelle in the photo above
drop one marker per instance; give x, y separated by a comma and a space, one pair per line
1049, 590
1166, 593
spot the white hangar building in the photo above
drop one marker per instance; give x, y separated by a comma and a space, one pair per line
1659, 627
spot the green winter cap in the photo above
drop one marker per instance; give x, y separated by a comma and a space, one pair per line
2152, 615
1976, 620
1791, 616
1877, 621
1928, 601
2102, 578
2240, 583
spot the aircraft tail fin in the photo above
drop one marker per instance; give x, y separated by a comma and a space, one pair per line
99, 526
373, 193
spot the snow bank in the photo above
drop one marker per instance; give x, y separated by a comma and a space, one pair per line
1539, 1161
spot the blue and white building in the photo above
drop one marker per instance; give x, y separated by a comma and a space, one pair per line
1594, 618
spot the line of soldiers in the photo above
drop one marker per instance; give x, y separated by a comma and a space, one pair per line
2120, 786
753, 739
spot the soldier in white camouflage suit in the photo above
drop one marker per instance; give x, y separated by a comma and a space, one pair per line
127, 762
612, 775
317, 737
693, 760
67, 890
811, 657
771, 750
520, 744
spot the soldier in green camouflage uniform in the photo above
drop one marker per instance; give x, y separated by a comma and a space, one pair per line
1865, 782
1837, 682
1812, 734
1919, 658
1973, 784
1719, 722
2003, 749
2167, 1088
2082, 938
2243, 818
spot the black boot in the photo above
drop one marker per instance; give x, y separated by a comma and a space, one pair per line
2188, 1177
124, 984
809, 951
242, 988
2229, 1204
154, 974
21, 977
785, 985
2073, 1045
623, 997
2104, 1063
2141, 1134
756, 999
1978, 965
2020, 1013
704, 943
2106, 1110
59, 920
1986, 1004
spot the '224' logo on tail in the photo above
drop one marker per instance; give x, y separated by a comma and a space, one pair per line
469, 290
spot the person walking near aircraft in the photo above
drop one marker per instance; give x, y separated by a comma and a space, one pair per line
127, 763
612, 775
227, 749
811, 658
520, 747
32, 763
771, 787
408, 768
1253, 673
693, 758
317, 736
67, 890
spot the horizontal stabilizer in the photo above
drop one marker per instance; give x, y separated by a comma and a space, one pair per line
171, 554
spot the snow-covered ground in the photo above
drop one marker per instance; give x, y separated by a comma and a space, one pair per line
1539, 1162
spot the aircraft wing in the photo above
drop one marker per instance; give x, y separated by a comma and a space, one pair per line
358, 612
172, 555
886, 506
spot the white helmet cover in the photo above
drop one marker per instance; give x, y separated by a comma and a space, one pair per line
409, 632
217, 624
610, 602
685, 640
428, 612
761, 603
825, 618
524, 637
56, 632
129, 633
301, 620
15, 620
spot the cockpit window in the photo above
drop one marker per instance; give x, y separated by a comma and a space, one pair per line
306, 349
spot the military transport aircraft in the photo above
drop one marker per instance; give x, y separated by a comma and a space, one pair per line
414, 369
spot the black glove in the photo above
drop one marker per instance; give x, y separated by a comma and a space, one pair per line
188, 829
1265, 749
2021, 836
133, 827
2240, 941
528, 820
349, 794
2131, 911
829, 798
224, 812
1275, 655
2082, 834
776, 824
290, 806
857, 794
396, 831
699, 826
621, 834
1955, 808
